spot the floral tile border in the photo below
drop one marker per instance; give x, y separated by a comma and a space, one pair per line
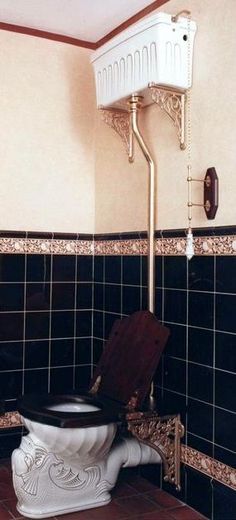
10, 420
46, 247
197, 460
207, 245
211, 467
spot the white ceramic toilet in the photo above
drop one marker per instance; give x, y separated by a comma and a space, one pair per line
72, 455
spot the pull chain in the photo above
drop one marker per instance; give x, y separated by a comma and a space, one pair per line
189, 244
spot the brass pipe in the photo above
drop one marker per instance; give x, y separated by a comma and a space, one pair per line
135, 104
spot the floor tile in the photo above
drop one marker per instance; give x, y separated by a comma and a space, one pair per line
184, 513
163, 499
136, 504
4, 514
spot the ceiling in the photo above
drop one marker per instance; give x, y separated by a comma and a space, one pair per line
87, 20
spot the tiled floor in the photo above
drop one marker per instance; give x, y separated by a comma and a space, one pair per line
133, 498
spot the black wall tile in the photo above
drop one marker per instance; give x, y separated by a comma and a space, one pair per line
225, 351
200, 419
201, 273
225, 428
176, 344
84, 295
225, 386
63, 296
98, 346
82, 377
11, 297
158, 303
200, 346
62, 324
175, 306
225, 312
11, 356
199, 492
37, 296
175, 272
113, 269
200, 382
224, 505
131, 270
36, 381
83, 323
175, 374
63, 268
37, 325
99, 294
11, 384
113, 298
83, 351
62, 352
199, 444
225, 274
201, 307
61, 380
36, 354
8, 443
84, 268
12, 268
130, 299
99, 262
98, 324
38, 268
11, 326
225, 456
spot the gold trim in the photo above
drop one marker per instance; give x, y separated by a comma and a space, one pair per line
10, 420
163, 434
208, 245
173, 103
119, 120
210, 467
46, 247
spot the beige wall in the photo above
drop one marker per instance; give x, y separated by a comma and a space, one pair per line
121, 188
47, 109
53, 163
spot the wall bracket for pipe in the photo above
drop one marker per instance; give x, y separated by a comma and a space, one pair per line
119, 120
173, 102
163, 434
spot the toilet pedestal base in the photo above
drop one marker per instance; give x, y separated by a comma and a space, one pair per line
47, 485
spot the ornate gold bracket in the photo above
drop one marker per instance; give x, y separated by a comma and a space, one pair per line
163, 434
173, 102
119, 120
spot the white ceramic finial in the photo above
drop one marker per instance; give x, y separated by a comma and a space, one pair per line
189, 246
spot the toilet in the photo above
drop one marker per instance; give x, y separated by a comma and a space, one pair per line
71, 457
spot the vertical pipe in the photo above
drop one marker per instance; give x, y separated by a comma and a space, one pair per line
135, 105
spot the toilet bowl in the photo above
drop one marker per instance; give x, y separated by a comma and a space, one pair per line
58, 470
71, 457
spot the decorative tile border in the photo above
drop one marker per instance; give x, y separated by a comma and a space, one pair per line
197, 460
207, 245
210, 467
46, 247
203, 246
10, 420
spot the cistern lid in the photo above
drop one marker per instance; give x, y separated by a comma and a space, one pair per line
130, 358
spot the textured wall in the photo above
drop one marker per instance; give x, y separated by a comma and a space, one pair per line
47, 110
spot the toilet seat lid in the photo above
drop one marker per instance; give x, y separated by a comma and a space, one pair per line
130, 358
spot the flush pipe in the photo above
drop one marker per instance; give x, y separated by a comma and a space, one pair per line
135, 104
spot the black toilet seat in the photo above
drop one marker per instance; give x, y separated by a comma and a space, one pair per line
35, 407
